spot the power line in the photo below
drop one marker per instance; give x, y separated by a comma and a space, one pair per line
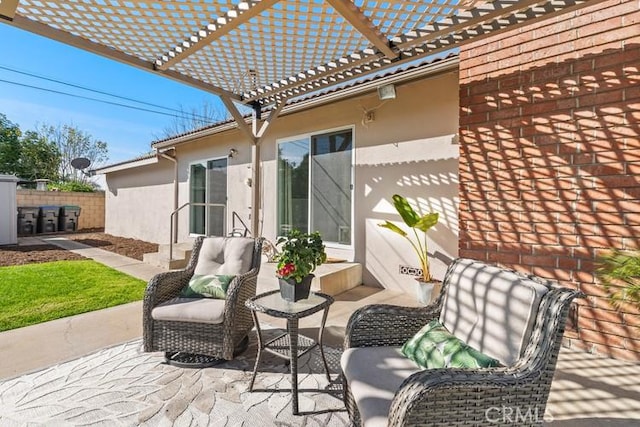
104, 101
181, 113
38, 76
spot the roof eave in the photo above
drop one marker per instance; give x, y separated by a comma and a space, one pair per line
432, 69
126, 165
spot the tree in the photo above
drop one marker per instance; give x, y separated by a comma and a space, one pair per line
191, 119
9, 146
72, 143
28, 156
39, 158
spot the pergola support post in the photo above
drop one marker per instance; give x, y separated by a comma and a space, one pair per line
256, 199
255, 134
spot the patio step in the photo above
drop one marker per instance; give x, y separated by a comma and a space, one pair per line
331, 279
181, 255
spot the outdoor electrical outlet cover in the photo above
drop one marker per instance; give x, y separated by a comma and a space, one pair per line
369, 117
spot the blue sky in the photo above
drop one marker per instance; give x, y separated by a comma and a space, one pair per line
127, 132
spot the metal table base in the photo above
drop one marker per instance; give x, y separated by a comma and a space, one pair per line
290, 345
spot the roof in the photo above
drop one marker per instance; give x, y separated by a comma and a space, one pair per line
425, 66
146, 159
267, 51
403, 73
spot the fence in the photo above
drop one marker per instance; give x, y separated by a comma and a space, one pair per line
91, 204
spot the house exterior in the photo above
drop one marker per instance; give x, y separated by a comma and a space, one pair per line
528, 148
329, 163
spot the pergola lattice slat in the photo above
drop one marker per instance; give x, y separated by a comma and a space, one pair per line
239, 15
460, 33
356, 18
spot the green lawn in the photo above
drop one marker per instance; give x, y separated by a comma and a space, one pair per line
35, 293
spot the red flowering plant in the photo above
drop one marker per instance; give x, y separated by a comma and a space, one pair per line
300, 255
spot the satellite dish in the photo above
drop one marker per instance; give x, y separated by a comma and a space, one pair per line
80, 163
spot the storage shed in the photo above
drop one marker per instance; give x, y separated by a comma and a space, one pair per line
8, 210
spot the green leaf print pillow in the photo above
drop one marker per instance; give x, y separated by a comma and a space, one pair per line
434, 347
207, 286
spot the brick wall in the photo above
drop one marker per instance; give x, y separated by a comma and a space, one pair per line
91, 204
550, 157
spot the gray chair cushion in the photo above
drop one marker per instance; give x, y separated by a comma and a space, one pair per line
199, 310
491, 309
225, 255
374, 374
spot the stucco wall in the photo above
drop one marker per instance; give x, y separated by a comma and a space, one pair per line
92, 205
410, 148
139, 202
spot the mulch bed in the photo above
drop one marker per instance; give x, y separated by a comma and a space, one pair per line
121, 245
20, 255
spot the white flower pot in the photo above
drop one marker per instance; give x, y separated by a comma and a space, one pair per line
427, 292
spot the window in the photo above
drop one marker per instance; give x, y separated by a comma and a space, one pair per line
208, 191
315, 185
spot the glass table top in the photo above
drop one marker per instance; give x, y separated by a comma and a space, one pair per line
273, 301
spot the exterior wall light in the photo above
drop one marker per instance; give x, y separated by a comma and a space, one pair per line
386, 92
232, 153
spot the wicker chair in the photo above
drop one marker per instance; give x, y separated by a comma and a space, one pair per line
513, 394
203, 326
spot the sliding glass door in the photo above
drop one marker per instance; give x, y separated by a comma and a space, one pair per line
208, 185
315, 185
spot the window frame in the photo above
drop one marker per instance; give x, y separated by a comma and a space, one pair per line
307, 136
204, 161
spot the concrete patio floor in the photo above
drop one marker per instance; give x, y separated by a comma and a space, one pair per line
588, 390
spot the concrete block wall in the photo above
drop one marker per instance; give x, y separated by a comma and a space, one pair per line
91, 204
550, 157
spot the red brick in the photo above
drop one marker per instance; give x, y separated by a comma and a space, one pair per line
632, 344
617, 206
603, 315
503, 257
601, 338
568, 263
473, 254
592, 289
617, 329
630, 218
597, 99
614, 352
551, 273
618, 181
605, 304
631, 319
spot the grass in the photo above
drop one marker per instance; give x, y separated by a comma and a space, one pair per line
36, 293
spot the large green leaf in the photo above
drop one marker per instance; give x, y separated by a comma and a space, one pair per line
391, 226
409, 216
427, 221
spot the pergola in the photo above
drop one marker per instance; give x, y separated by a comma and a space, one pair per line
261, 53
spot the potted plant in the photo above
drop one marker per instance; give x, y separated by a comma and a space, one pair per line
619, 272
425, 283
300, 254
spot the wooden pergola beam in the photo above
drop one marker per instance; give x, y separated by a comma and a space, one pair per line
8, 9
360, 22
102, 50
239, 118
462, 20
240, 14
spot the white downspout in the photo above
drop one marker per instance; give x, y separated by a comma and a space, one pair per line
175, 190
